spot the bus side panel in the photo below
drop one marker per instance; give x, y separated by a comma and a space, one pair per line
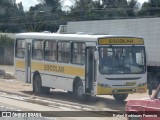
56, 81
60, 76
61, 82
69, 84
20, 69
48, 81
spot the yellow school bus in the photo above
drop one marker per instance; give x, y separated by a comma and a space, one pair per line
81, 63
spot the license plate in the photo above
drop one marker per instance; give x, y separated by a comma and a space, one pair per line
130, 83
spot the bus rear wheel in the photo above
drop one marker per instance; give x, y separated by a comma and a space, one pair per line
120, 97
37, 86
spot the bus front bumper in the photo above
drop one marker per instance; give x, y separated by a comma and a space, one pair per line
109, 91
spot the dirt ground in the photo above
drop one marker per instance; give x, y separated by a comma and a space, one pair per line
9, 69
11, 84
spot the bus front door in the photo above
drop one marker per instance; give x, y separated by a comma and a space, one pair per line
90, 71
28, 63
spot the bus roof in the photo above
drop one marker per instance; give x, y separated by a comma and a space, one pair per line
56, 36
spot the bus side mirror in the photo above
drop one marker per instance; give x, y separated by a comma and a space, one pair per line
96, 55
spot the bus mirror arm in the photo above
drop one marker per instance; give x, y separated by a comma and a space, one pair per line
96, 55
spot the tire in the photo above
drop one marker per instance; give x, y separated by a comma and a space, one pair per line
37, 86
79, 91
70, 92
120, 97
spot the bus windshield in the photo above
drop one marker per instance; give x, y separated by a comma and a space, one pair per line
122, 60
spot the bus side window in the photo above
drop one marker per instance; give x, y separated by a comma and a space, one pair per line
78, 53
20, 53
64, 52
38, 49
50, 50
20, 48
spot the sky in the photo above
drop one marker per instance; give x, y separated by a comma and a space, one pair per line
28, 3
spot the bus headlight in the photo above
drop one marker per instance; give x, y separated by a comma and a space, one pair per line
108, 86
142, 84
105, 85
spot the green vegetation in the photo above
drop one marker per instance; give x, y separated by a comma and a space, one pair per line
6, 40
48, 14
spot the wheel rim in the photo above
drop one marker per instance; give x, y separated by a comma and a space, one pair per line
80, 90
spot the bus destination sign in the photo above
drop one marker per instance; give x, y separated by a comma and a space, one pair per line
119, 41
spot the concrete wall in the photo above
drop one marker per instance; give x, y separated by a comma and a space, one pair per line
7, 52
148, 28
6, 55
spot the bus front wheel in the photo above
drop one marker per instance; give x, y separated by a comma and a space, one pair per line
79, 91
120, 97
37, 86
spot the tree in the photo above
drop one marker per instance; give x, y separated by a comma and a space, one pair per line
45, 16
34, 18
150, 8
10, 15
20, 8
96, 11
80, 8
104, 9
51, 6
133, 8
121, 8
